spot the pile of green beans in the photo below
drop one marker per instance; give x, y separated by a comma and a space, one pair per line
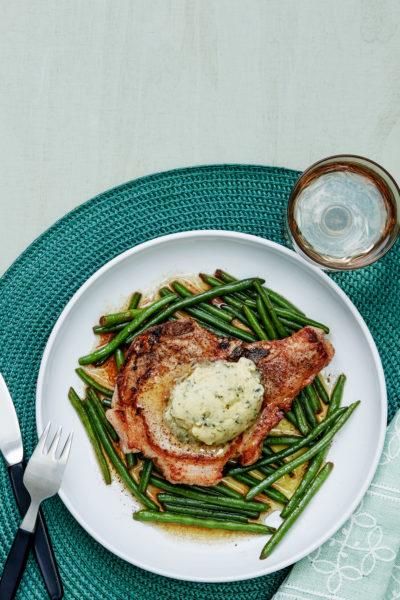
103, 446
241, 309
299, 460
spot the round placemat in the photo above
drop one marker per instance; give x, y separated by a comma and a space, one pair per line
251, 199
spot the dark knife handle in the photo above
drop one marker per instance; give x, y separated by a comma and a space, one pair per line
42, 547
15, 565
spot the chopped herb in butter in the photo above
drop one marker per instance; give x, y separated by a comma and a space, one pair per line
216, 402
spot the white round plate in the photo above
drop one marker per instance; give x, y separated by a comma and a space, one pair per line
106, 511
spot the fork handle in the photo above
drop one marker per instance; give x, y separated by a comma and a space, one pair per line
41, 544
15, 564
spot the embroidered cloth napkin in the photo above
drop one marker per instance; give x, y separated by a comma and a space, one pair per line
362, 560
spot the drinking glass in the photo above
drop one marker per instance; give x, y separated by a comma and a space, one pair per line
344, 212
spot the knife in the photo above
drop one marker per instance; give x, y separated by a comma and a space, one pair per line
12, 450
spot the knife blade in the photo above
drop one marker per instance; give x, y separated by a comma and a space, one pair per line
10, 433
12, 450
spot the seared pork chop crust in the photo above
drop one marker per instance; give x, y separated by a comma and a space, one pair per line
166, 353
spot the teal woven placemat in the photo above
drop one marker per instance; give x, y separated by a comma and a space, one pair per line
35, 289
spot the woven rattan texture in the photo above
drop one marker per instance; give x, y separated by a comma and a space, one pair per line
34, 290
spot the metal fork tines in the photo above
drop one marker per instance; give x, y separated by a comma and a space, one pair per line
42, 479
43, 474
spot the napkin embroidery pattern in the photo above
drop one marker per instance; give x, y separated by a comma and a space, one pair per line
363, 536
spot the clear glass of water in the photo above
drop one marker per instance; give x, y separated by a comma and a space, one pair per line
344, 212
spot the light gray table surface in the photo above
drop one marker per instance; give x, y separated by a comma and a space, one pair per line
96, 92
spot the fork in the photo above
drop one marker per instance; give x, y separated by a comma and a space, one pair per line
42, 479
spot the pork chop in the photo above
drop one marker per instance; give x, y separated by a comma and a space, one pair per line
166, 353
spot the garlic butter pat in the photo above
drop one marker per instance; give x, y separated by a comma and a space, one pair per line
216, 402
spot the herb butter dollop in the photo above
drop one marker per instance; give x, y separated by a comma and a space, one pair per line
216, 402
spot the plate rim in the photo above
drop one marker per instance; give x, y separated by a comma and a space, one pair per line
198, 233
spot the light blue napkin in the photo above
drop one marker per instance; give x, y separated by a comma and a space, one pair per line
362, 560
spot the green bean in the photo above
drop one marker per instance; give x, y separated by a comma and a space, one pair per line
290, 325
115, 459
135, 299
233, 302
245, 297
98, 329
266, 321
100, 412
154, 321
291, 417
236, 313
275, 495
119, 358
247, 300
266, 469
272, 493
292, 316
109, 348
276, 298
165, 291
221, 325
198, 315
220, 313
313, 398
245, 478
82, 414
231, 299
166, 517
101, 362
213, 330
201, 512
212, 281
269, 452
224, 276
219, 501
131, 459
282, 440
287, 523
227, 491
337, 394
219, 328
90, 381
250, 302
300, 416
145, 475
189, 502
312, 470
321, 389
106, 402
305, 441
295, 462
254, 324
240, 296
120, 317
308, 409
206, 490
280, 329
233, 471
